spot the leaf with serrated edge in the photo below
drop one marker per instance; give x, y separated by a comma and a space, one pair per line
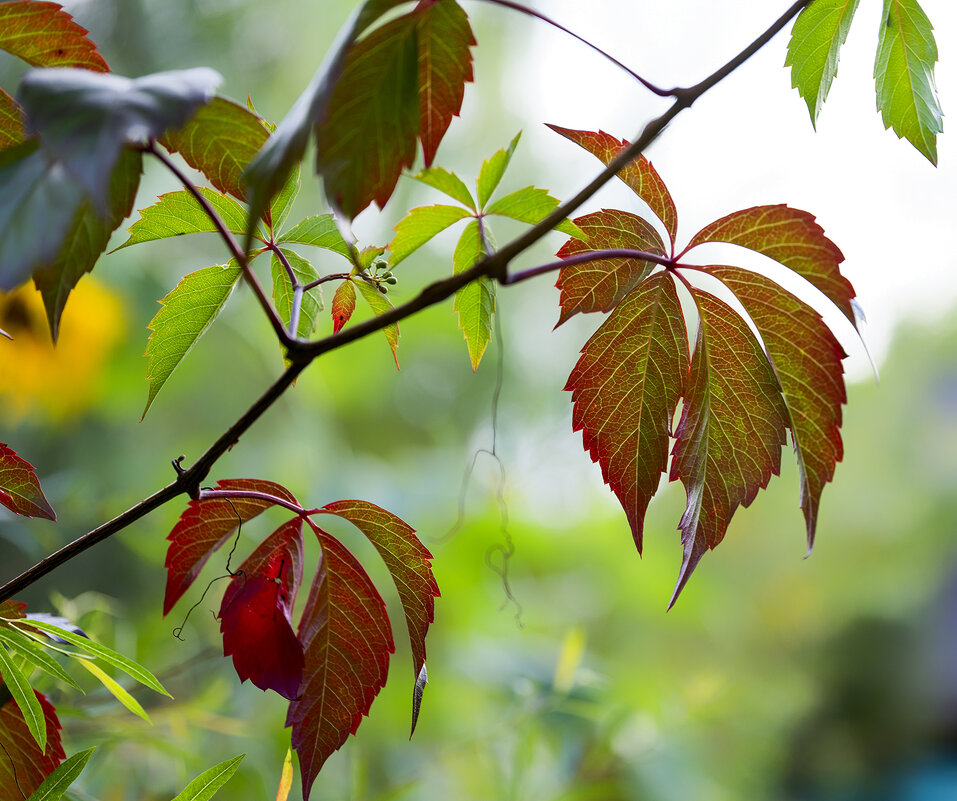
475, 302
347, 640
282, 204
492, 170
23, 694
379, 305
791, 237
532, 205
625, 389
35, 655
188, 310
447, 182
640, 176
598, 286
24, 767
420, 225
11, 122
205, 526
904, 74
115, 689
320, 231
282, 292
343, 305
807, 359
20, 491
209, 782
728, 441
44, 35
815, 47
58, 782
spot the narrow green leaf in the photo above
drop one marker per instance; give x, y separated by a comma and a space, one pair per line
11, 122
379, 305
36, 655
187, 312
475, 302
115, 689
24, 696
208, 783
58, 782
448, 182
493, 168
320, 231
282, 204
282, 292
420, 225
532, 205
904, 73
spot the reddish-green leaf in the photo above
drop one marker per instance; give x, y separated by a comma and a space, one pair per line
475, 302
626, 387
11, 122
791, 237
347, 640
379, 304
256, 613
12, 610
23, 766
206, 525
420, 225
807, 360
343, 305
600, 285
19, 489
45, 35
733, 421
639, 175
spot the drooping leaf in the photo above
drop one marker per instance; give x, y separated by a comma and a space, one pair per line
24, 766
447, 182
904, 73
728, 441
115, 689
209, 782
256, 613
475, 302
11, 122
598, 286
493, 168
220, 140
320, 231
282, 292
188, 310
206, 525
814, 49
19, 488
18, 684
379, 305
791, 237
639, 175
44, 35
531, 205
343, 305
625, 389
347, 640
33, 653
58, 782
807, 360
420, 225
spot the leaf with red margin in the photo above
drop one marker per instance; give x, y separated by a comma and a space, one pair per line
639, 175
807, 359
343, 305
206, 525
11, 122
12, 610
625, 389
45, 35
728, 442
23, 767
410, 564
347, 640
791, 237
19, 489
256, 613
445, 66
598, 286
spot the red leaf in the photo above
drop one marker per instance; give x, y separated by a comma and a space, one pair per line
639, 175
347, 640
256, 613
45, 35
343, 305
11, 122
807, 360
205, 526
626, 387
12, 610
728, 442
22, 765
19, 489
792, 238
600, 285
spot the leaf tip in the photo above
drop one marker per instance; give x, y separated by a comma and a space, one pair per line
417, 690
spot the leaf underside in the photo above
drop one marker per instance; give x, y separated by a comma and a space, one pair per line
19, 488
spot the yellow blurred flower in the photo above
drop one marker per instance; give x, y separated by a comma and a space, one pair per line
37, 378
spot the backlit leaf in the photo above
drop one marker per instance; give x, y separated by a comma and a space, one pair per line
531, 205
320, 231
30, 650
23, 694
179, 213
19, 488
115, 689
474, 302
343, 305
419, 226
58, 782
448, 182
282, 203
209, 782
285, 779
24, 766
282, 292
379, 305
493, 168
44, 35
11, 122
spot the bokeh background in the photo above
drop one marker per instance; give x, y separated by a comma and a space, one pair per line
774, 677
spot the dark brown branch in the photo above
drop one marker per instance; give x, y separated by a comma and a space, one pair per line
585, 258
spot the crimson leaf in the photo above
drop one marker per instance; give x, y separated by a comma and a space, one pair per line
343, 305
24, 766
19, 489
44, 35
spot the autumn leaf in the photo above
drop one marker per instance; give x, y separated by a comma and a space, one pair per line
343, 305
19, 488
44, 35
25, 765
11, 121
475, 302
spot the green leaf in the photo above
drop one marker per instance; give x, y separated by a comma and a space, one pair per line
179, 213
36, 655
815, 47
108, 655
420, 225
44, 35
24, 696
320, 231
448, 182
11, 122
493, 168
208, 783
532, 205
379, 305
282, 204
115, 689
474, 302
904, 73
58, 782
187, 312
282, 292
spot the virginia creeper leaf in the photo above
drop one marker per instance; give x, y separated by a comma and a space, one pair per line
379, 305
187, 312
24, 696
531, 205
30, 650
115, 689
347, 640
420, 225
11, 122
282, 292
256, 613
282, 203
24, 766
448, 182
600, 285
343, 305
58, 782
728, 441
320, 231
475, 302
493, 168
209, 782
640, 176
807, 360
792, 238
19, 488
206, 525
625, 389
904, 73
44, 35
815, 47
